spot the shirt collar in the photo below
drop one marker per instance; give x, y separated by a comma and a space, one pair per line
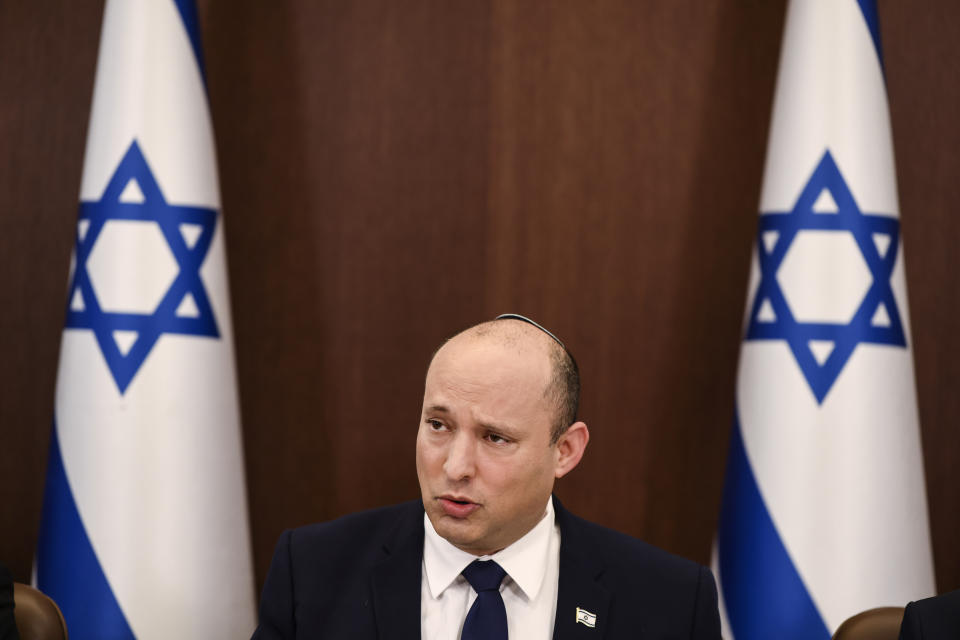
525, 561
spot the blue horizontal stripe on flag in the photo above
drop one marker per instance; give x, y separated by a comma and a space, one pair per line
763, 594
67, 567
869, 10
188, 14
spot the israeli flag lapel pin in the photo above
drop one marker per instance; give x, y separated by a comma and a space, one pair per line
586, 618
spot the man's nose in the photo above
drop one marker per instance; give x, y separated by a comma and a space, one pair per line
461, 457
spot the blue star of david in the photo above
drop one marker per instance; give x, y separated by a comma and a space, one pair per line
866, 326
89, 314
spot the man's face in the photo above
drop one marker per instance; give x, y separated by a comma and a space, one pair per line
484, 458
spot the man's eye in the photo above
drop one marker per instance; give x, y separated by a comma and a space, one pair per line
495, 439
436, 425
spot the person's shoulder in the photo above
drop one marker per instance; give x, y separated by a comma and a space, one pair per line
355, 529
945, 606
664, 592
320, 573
628, 554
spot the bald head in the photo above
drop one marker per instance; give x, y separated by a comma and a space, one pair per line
562, 389
496, 431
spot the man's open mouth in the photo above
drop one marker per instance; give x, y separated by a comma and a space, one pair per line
457, 507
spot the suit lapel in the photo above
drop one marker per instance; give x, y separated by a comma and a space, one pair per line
396, 580
579, 586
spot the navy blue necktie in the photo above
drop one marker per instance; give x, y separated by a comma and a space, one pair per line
487, 618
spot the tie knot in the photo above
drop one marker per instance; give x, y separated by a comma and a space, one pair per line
484, 575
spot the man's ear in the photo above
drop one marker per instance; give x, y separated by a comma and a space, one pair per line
570, 448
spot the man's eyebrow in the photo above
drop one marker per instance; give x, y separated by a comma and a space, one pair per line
437, 408
501, 428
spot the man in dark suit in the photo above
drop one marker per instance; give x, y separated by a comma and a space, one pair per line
936, 618
486, 551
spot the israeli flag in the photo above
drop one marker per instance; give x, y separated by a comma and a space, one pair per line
144, 530
824, 508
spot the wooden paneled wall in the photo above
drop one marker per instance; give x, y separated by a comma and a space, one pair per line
395, 171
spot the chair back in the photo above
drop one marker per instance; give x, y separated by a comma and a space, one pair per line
38, 617
882, 623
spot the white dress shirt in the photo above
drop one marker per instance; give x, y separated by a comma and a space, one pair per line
529, 590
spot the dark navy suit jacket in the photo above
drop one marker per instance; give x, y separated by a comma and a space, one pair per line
935, 618
359, 577
8, 623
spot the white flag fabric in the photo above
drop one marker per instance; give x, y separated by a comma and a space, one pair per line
144, 530
824, 510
